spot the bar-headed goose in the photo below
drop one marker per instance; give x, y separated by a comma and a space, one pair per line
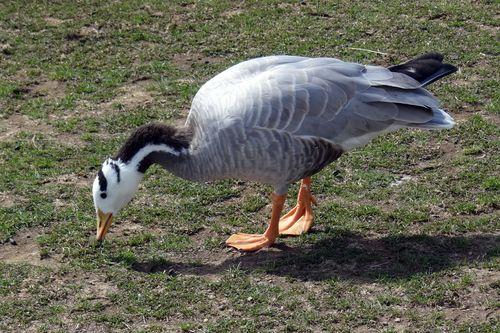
276, 120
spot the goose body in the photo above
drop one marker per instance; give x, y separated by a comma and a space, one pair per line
280, 119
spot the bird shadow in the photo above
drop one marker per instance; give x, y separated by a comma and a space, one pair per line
349, 256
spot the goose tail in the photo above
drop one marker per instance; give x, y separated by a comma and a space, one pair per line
440, 120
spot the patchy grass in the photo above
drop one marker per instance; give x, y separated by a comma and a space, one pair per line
407, 233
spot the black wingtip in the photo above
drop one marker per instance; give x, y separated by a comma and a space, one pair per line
446, 69
426, 68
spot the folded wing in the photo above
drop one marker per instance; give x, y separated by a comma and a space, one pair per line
345, 103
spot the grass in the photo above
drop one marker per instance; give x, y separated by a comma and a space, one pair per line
406, 235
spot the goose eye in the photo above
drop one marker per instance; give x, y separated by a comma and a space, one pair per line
104, 195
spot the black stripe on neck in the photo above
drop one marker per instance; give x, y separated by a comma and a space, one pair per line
156, 157
156, 134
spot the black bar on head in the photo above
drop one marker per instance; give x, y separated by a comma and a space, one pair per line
117, 169
103, 183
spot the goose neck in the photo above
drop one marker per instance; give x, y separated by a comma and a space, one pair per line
155, 144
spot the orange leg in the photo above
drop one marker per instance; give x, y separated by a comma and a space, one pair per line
251, 242
300, 219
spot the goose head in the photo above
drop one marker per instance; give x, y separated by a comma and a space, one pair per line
114, 186
118, 178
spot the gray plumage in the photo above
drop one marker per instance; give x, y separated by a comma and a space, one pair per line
275, 120
278, 119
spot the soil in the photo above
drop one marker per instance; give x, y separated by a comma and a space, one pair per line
24, 249
130, 96
52, 21
50, 89
9, 200
186, 61
16, 123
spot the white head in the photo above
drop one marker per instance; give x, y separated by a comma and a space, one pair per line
114, 186
118, 178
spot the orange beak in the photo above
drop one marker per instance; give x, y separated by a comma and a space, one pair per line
104, 221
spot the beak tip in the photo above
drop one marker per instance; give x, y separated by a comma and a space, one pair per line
104, 221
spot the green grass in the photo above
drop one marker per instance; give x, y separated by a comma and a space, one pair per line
407, 229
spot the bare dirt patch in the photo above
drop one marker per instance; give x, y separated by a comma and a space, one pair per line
401, 180
70, 139
489, 28
53, 21
24, 249
124, 228
90, 30
50, 89
73, 179
135, 94
96, 287
8, 200
17, 123
232, 12
6, 49
466, 79
40, 87
131, 95
494, 118
152, 12
180, 17
186, 61
84, 33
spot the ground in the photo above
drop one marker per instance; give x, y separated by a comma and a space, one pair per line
407, 228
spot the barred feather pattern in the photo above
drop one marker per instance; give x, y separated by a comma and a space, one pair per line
280, 118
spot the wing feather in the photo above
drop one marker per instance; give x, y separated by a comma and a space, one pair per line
322, 97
